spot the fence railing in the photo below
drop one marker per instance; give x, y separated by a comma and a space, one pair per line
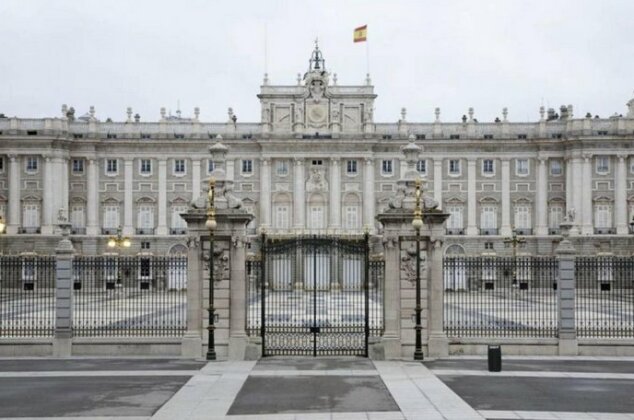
129, 296
376, 283
27, 296
604, 297
500, 296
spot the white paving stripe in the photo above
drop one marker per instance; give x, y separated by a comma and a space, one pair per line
89, 373
314, 373
531, 374
421, 395
554, 415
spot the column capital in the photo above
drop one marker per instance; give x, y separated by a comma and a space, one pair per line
586, 156
369, 161
438, 161
265, 161
542, 160
299, 161
334, 161
622, 156
471, 161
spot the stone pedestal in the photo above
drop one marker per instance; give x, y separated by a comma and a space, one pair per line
399, 240
229, 283
568, 345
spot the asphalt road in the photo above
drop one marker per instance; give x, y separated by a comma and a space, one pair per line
86, 364
535, 365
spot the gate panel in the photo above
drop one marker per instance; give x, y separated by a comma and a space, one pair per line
315, 296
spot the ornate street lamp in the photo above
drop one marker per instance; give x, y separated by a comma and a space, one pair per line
211, 225
119, 241
417, 224
3, 225
631, 225
514, 241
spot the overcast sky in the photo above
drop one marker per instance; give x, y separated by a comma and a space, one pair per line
422, 54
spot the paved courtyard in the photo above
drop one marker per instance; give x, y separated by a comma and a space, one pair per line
458, 388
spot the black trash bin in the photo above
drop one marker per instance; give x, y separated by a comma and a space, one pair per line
495, 359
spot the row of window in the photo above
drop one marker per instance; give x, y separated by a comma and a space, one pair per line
316, 217
522, 167
522, 216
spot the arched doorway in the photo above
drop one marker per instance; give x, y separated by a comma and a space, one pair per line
455, 273
177, 268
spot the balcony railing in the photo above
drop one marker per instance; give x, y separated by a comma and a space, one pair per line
455, 231
524, 231
29, 230
178, 231
78, 231
108, 231
488, 231
604, 231
145, 231
554, 231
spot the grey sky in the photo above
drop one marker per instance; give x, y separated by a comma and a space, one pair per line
423, 54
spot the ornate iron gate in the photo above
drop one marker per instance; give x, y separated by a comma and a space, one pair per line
315, 296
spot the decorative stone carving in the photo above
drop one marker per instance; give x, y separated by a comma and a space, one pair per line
193, 241
233, 202
221, 264
408, 263
396, 201
316, 181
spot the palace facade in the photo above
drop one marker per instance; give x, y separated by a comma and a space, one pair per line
318, 162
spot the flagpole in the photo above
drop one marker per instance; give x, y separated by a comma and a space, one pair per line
367, 54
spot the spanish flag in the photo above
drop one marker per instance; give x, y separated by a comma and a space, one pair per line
360, 33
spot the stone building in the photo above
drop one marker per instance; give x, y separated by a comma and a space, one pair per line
317, 162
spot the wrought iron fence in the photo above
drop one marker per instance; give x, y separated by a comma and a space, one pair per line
604, 296
500, 296
376, 283
129, 296
27, 296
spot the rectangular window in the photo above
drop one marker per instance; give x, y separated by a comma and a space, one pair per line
77, 217
211, 165
177, 221
555, 167
454, 166
317, 219
488, 217
111, 166
111, 217
179, 166
603, 164
146, 166
281, 217
455, 217
31, 215
522, 217
521, 166
247, 166
1, 164
31, 164
488, 245
317, 162
281, 167
351, 217
351, 167
78, 166
556, 217
145, 245
386, 167
421, 166
145, 218
603, 216
487, 166
488, 136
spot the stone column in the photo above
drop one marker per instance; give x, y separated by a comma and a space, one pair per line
335, 193
506, 229
48, 195
92, 199
541, 206
62, 341
587, 228
195, 179
569, 204
368, 194
192, 343
437, 344
265, 192
299, 198
472, 227
438, 181
238, 339
128, 205
620, 195
568, 345
162, 197
14, 195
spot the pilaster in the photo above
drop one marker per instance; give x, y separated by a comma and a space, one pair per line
335, 193
566, 323
161, 229
14, 194
128, 205
62, 340
195, 179
472, 227
265, 192
506, 198
587, 228
299, 196
92, 199
368, 194
620, 195
438, 181
48, 195
541, 210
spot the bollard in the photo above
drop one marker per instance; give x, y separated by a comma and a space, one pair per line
495, 359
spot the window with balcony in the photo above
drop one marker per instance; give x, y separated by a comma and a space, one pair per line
111, 216
351, 217
31, 217
522, 216
603, 215
282, 219
78, 217
488, 217
455, 218
178, 225
145, 219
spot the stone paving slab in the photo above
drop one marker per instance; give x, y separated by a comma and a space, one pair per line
544, 394
90, 364
288, 394
86, 396
306, 364
536, 365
